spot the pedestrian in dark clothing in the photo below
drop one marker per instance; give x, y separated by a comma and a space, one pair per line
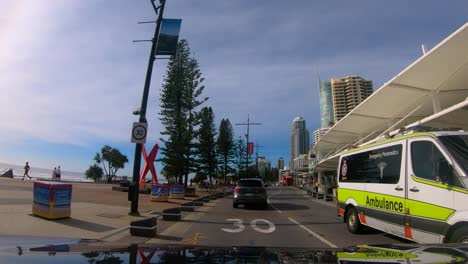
58, 172
26, 171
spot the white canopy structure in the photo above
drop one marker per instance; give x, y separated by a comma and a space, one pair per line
436, 81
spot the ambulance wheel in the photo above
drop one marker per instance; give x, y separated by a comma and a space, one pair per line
460, 235
352, 221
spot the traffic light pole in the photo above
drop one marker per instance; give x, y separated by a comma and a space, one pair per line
134, 191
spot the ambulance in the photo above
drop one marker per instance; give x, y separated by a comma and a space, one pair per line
412, 185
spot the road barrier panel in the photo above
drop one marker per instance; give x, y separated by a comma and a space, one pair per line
145, 227
172, 214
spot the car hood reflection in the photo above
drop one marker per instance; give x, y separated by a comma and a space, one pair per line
101, 252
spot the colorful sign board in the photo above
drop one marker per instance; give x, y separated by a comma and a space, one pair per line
177, 191
52, 200
159, 192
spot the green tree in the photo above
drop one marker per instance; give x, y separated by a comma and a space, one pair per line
94, 172
225, 146
179, 101
206, 147
240, 150
111, 160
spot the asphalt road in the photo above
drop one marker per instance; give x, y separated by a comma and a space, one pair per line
293, 219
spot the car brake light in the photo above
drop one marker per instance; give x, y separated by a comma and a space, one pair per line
236, 190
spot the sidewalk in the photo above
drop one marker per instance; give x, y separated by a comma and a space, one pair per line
97, 212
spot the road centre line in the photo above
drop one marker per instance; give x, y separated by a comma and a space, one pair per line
313, 233
268, 200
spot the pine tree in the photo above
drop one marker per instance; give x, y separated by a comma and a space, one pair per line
225, 146
240, 150
179, 100
206, 146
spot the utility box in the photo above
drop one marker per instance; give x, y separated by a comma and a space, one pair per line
52, 200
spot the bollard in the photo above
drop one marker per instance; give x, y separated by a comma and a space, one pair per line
187, 207
172, 214
197, 202
145, 228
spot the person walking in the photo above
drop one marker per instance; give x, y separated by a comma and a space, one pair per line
26, 171
58, 172
54, 174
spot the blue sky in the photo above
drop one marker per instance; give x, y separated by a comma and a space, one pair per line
70, 75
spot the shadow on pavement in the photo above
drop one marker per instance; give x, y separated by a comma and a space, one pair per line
171, 238
289, 206
289, 197
81, 224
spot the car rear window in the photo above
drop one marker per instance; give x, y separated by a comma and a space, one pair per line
250, 183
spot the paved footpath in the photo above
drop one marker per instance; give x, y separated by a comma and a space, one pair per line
97, 212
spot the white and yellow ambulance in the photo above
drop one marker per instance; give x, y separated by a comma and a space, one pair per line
413, 185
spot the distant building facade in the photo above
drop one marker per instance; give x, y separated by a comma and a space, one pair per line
280, 164
317, 134
301, 162
348, 92
326, 104
263, 165
299, 138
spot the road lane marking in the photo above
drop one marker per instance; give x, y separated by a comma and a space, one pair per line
271, 204
271, 226
238, 223
313, 233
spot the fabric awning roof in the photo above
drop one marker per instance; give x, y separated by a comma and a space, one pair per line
436, 81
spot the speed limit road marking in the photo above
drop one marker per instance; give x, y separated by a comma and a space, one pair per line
139, 132
239, 226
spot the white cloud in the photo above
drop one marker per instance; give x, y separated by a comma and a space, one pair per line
67, 83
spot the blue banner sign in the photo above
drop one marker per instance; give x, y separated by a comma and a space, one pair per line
168, 36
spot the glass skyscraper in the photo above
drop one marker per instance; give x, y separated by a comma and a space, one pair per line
326, 103
299, 138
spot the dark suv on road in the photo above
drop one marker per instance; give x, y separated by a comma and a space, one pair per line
250, 191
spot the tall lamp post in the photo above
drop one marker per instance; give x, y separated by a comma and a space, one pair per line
248, 124
134, 191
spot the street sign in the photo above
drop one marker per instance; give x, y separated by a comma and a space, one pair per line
139, 132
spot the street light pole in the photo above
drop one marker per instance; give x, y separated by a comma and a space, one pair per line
248, 124
144, 101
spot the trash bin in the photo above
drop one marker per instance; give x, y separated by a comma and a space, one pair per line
52, 200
